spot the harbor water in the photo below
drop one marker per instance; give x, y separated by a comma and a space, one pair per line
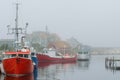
94, 69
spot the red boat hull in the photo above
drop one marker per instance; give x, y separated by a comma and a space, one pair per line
17, 66
46, 58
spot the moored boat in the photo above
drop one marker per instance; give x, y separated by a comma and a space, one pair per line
83, 54
51, 55
17, 62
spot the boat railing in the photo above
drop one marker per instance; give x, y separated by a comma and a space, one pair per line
5, 56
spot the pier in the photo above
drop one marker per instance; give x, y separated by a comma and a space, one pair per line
112, 63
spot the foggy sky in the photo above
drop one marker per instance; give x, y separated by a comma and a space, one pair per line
91, 22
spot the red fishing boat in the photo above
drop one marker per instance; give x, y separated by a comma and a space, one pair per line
17, 62
51, 55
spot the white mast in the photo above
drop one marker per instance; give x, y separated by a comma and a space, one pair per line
17, 30
46, 42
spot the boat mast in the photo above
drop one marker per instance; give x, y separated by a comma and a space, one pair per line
46, 42
16, 27
17, 30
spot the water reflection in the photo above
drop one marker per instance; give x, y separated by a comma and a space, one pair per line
47, 64
83, 65
27, 77
81, 70
51, 71
45, 71
35, 74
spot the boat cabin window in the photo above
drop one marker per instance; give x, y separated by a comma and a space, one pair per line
23, 55
80, 52
26, 55
45, 51
7, 56
85, 52
20, 55
13, 55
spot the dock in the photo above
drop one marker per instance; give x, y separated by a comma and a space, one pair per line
112, 63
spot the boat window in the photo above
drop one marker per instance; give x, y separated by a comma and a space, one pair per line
20, 55
45, 52
85, 52
80, 52
13, 55
3, 56
56, 53
7, 56
26, 55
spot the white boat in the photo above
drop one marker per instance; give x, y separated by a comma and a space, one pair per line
83, 55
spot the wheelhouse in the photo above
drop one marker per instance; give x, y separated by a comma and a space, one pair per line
19, 54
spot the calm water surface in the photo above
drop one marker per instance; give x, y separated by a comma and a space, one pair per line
81, 70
